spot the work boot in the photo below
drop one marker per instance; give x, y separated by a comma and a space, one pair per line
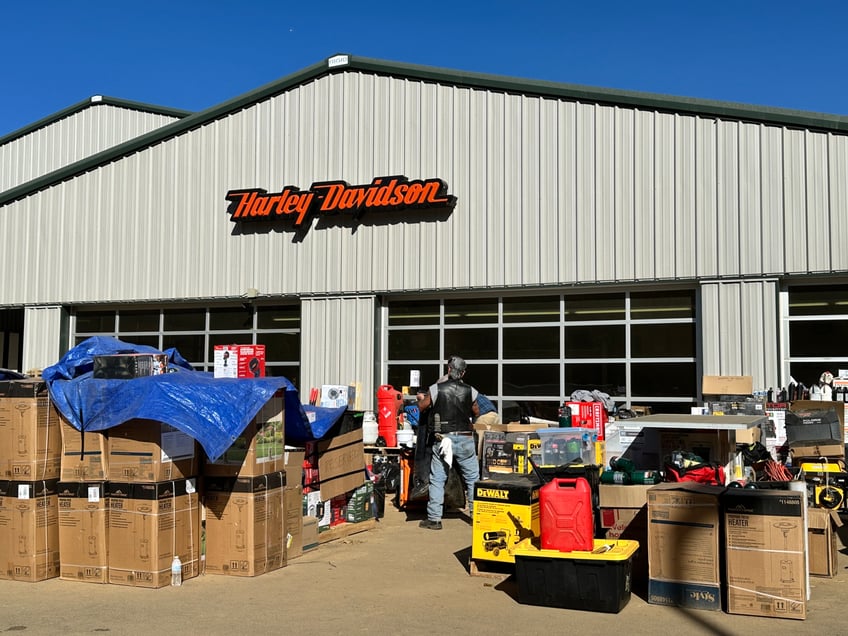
430, 525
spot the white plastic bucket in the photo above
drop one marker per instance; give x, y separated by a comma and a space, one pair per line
405, 437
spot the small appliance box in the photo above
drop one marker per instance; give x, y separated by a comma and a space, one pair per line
83, 532
506, 511
29, 530
336, 395
85, 456
765, 552
683, 545
30, 442
151, 451
148, 525
259, 449
245, 524
239, 361
126, 366
589, 415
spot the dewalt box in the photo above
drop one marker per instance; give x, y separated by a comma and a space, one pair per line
506, 511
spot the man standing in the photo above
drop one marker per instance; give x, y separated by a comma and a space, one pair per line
453, 405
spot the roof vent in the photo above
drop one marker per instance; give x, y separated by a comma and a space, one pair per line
96, 98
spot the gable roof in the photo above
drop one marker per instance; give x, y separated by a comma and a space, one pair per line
345, 62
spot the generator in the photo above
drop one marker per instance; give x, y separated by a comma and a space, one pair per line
826, 484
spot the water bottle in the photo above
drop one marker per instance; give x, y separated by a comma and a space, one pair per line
176, 572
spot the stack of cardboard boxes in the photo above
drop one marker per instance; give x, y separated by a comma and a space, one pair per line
29, 457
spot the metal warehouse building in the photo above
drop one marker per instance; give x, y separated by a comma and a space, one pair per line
363, 219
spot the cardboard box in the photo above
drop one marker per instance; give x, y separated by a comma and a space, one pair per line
589, 415
29, 530
506, 511
812, 451
259, 449
683, 545
148, 525
765, 552
341, 464
83, 531
239, 361
727, 385
620, 496
245, 524
30, 441
821, 541
293, 517
150, 451
336, 395
293, 465
85, 456
126, 366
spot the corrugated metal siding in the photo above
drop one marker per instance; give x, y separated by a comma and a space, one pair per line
740, 328
80, 135
42, 344
549, 193
337, 337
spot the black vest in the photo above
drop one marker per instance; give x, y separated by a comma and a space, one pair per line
452, 410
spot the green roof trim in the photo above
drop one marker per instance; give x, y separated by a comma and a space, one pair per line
344, 62
95, 100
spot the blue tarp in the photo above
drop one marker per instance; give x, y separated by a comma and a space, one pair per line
214, 411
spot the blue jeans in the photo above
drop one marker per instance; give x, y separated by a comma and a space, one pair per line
465, 457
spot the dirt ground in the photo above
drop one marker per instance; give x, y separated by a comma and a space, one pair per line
393, 578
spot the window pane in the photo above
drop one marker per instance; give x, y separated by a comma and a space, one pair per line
531, 379
467, 312
818, 301
280, 347
531, 309
417, 344
190, 346
96, 322
663, 379
677, 304
596, 341
483, 377
139, 320
399, 374
514, 410
608, 378
420, 312
824, 339
595, 307
284, 317
472, 343
290, 373
809, 373
234, 319
183, 320
531, 342
662, 341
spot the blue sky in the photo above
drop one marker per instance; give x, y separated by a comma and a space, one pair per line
193, 55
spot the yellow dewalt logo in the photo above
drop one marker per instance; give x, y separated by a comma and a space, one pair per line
493, 493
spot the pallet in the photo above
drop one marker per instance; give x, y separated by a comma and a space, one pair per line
490, 569
345, 530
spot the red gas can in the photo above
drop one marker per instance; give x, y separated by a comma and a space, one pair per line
565, 515
389, 404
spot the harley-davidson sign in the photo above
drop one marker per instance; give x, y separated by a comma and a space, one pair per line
336, 197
